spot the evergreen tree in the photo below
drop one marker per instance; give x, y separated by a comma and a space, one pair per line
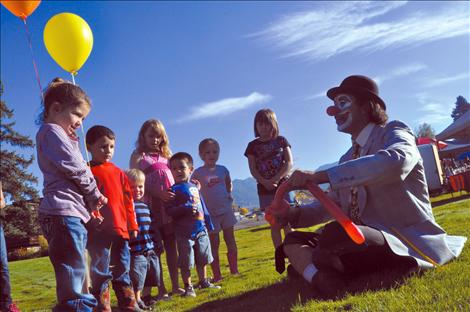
18, 184
461, 107
425, 131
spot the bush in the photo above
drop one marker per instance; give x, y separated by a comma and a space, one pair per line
43, 245
23, 253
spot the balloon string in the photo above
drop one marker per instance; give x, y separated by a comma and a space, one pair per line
83, 130
84, 144
28, 37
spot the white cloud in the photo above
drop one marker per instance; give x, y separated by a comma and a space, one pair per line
401, 71
432, 111
353, 26
316, 96
226, 106
445, 80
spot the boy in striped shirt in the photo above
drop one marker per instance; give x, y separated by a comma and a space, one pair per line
145, 262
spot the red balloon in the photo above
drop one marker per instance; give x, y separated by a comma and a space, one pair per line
21, 8
280, 206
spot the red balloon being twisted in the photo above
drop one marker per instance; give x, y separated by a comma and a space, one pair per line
281, 206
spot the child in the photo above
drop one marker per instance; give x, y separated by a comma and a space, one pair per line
145, 262
270, 160
151, 156
190, 220
109, 243
216, 188
71, 197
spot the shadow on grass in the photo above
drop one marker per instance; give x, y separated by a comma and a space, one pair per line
260, 229
449, 200
284, 295
277, 297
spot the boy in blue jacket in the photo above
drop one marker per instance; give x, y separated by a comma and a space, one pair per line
191, 223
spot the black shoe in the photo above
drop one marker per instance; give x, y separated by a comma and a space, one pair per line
149, 301
330, 284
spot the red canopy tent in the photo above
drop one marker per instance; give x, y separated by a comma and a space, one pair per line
440, 144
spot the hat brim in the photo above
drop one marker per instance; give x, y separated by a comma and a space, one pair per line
333, 92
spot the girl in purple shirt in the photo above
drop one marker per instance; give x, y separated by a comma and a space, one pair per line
70, 195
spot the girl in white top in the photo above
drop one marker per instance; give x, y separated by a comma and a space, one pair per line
216, 189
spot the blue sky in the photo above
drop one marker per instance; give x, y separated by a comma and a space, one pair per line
205, 68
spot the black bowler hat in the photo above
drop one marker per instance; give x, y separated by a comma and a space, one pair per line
357, 85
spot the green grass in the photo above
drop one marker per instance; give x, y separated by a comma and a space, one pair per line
260, 288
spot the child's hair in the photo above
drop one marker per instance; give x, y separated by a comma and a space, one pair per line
63, 92
97, 132
206, 142
135, 175
163, 145
182, 156
266, 116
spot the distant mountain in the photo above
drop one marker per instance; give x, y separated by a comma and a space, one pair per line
245, 193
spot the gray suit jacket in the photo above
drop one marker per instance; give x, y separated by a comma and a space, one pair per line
393, 196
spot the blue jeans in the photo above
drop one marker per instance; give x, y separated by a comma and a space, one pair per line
67, 238
145, 269
5, 291
107, 249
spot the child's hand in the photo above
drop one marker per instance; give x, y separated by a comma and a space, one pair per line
100, 203
166, 195
197, 183
133, 234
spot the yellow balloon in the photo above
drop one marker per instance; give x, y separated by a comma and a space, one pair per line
69, 41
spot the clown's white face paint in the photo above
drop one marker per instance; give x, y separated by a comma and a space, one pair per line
344, 118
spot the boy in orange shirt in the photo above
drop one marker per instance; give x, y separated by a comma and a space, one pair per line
109, 242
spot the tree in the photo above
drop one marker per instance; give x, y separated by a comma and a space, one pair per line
425, 131
461, 107
18, 184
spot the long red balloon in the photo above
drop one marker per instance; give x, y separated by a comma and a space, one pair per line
281, 206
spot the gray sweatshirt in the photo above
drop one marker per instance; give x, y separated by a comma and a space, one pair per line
69, 186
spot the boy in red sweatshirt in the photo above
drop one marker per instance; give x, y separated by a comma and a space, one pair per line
108, 244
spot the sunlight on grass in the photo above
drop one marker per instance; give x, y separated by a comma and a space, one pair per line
261, 288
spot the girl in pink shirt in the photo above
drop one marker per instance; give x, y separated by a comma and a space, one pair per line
151, 156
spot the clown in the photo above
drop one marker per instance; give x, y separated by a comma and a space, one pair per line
380, 183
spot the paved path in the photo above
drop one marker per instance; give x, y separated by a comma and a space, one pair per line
248, 223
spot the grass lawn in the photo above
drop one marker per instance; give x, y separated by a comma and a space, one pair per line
261, 288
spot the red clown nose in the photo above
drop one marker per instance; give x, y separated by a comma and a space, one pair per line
332, 110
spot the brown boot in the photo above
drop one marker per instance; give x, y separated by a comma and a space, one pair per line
126, 299
104, 303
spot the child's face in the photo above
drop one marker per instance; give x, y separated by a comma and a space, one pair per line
70, 117
210, 154
181, 170
265, 130
138, 189
102, 150
152, 139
